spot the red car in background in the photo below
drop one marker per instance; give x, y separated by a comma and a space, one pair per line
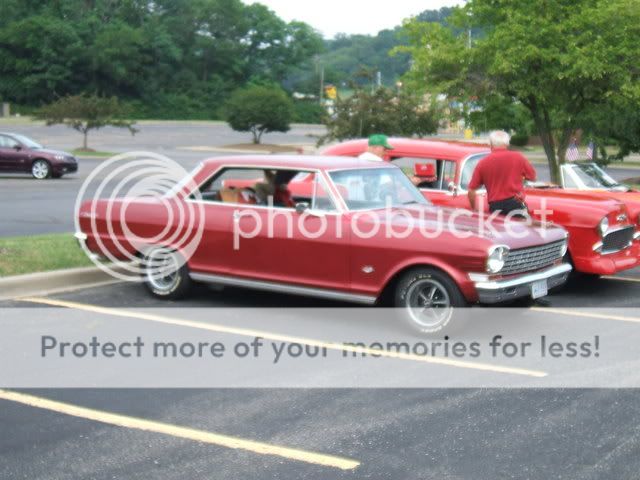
325, 243
590, 177
603, 235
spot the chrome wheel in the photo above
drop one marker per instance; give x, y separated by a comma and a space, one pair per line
428, 303
40, 169
162, 271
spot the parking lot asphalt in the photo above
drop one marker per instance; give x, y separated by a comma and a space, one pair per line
336, 433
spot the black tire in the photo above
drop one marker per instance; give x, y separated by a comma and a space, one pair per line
169, 280
40, 169
428, 298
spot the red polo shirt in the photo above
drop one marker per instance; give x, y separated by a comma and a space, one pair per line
501, 172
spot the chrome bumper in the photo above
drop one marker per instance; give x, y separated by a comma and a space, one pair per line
496, 291
81, 238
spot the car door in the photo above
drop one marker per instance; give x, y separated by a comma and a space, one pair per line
283, 245
13, 157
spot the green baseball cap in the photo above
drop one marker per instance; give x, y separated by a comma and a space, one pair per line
379, 140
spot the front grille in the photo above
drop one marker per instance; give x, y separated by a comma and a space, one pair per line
618, 239
532, 258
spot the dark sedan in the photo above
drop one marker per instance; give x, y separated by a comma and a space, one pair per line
21, 154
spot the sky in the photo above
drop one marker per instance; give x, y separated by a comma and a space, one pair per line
351, 16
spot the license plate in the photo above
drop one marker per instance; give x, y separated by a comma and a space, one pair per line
539, 289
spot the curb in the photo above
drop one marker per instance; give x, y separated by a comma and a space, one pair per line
56, 281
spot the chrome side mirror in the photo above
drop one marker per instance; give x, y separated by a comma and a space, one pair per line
301, 207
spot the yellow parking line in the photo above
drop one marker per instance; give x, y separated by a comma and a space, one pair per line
577, 313
622, 279
286, 338
180, 432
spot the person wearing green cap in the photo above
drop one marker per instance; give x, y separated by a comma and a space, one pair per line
378, 145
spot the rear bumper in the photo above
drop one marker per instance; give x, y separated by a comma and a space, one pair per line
497, 291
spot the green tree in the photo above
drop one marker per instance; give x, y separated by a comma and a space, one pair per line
559, 59
39, 58
259, 109
85, 113
383, 110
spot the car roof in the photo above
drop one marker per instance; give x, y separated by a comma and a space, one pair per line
302, 162
444, 149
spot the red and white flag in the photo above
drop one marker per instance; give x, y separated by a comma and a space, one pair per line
572, 152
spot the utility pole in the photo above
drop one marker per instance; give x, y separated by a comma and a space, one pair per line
321, 83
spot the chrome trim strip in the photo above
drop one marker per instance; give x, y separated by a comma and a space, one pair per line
80, 236
636, 236
282, 288
534, 277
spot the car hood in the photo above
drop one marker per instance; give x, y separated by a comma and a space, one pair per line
513, 233
53, 153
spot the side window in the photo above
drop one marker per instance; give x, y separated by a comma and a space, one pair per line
265, 187
468, 169
7, 142
423, 172
448, 174
227, 184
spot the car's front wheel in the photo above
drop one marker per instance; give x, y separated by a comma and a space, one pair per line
428, 299
40, 169
165, 273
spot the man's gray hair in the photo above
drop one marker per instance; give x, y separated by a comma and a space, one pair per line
499, 138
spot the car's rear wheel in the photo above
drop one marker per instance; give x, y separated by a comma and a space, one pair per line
428, 299
40, 169
165, 273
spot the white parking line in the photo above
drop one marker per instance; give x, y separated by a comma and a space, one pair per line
578, 313
180, 432
286, 338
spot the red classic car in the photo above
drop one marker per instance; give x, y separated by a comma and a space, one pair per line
590, 177
602, 239
347, 229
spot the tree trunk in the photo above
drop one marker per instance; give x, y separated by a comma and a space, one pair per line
543, 126
84, 140
257, 134
563, 144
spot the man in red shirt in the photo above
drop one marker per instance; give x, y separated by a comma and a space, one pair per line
502, 173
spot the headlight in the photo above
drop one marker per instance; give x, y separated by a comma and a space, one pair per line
565, 248
59, 157
497, 257
603, 226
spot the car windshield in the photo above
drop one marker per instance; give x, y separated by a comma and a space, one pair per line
27, 142
370, 188
592, 176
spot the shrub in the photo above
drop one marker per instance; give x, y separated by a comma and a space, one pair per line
258, 109
306, 111
519, 139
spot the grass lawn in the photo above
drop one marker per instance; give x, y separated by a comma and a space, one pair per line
39, 253
79, 152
